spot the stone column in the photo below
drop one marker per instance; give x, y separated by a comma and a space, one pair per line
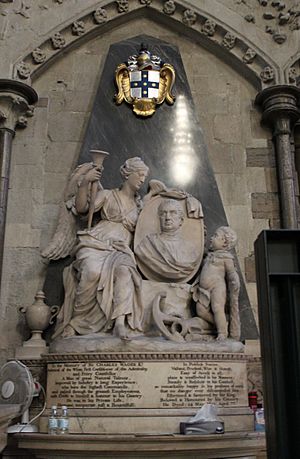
280, 106
16, 101
297, 158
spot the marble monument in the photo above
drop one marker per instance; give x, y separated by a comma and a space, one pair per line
103, 285
138, 345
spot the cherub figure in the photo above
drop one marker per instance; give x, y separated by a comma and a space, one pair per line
219, 278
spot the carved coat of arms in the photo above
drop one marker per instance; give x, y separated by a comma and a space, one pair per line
144, 82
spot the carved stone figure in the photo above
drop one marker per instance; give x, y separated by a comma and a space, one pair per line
218, 276
166, 255
102, 284
104, 290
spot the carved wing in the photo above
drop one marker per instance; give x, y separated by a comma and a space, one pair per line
123, 84
75, 179
64, 238
166, 82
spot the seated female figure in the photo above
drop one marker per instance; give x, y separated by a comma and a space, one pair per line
102, 286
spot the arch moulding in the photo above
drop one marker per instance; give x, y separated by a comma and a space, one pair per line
200, 26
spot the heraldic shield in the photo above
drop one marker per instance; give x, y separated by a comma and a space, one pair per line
144, 82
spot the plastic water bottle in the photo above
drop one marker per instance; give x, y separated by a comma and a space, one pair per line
259, 419
63, 421
53, 421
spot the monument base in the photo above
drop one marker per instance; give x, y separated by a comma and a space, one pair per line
146, 393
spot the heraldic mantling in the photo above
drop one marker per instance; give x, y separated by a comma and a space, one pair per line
144, 81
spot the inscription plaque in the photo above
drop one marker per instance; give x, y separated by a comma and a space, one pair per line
118, 384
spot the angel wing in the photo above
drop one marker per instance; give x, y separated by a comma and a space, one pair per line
64, 238
123, 85
166, 82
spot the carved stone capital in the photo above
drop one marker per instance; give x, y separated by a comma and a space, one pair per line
16, 104
280, 106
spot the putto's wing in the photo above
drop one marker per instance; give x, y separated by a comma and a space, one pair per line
166, 82
64, 238
123, 84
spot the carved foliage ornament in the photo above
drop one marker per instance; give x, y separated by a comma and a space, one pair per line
38, 56
14, 111
189, 17
58, 41
250, 18
293, 75
209, 28
229, 40
277, 16
267, 75
249, 56
169, 7
78, 28
100, 16
144, 81
123, 6
23, 70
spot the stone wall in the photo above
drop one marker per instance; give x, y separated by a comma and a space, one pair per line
47, 150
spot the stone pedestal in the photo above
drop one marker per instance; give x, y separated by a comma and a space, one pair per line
31, 349
146, 393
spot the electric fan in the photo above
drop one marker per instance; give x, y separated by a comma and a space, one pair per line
17, 387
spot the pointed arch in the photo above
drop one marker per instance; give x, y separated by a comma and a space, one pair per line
202, 27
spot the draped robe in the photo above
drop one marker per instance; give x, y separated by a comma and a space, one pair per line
92, 302
168, 257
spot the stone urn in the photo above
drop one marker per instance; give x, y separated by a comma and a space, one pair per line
38, 316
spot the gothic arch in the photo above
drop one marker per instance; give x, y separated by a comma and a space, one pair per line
207, 30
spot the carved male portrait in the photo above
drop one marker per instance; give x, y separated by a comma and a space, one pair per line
167, 255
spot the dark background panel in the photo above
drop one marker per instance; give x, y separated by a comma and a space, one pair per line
170, 142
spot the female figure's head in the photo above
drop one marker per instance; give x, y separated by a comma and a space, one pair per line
134, 171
